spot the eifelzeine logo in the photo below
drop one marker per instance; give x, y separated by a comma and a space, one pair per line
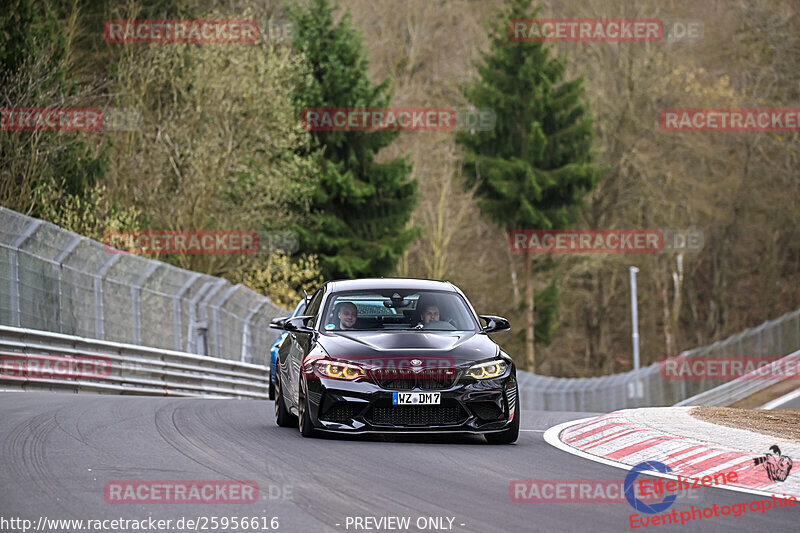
51, 119
180, 31
777, 465
586, 30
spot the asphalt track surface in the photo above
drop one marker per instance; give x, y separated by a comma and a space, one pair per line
59, 450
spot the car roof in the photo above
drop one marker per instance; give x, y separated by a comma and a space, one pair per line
390, 283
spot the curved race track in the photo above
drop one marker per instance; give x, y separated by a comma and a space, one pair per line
57, 451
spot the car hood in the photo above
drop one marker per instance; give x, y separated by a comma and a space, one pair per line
459, 346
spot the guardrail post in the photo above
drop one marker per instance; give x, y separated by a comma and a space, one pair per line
215, 317
246, 329
211, 288
58, 262
13, 263
618, 393
136, 290
562, 392
99, 329
190, 340
760, 342
176, 309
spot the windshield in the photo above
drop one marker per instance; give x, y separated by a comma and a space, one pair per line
398, 309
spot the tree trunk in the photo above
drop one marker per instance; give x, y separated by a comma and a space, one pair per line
667, 320
677, 299
529, 313
514, 282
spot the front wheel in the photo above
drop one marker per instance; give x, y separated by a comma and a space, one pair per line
304, 417
283, 417
507, 436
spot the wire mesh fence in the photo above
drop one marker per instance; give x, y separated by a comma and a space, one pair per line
55, 280
647, 386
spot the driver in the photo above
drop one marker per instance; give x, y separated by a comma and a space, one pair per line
430, 313
347, 315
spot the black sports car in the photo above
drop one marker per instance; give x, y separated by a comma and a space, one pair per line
395, 355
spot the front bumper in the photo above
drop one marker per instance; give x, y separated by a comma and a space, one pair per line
468, 406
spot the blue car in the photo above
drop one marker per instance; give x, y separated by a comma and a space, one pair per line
273, 351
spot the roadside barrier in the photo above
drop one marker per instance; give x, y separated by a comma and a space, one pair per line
25, 353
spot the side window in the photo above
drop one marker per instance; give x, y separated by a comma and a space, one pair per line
313, 307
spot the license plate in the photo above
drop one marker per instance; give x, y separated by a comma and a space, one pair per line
416, 398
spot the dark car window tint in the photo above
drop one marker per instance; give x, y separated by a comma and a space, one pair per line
373, 313
313, 307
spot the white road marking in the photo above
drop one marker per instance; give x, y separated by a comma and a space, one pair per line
777, 402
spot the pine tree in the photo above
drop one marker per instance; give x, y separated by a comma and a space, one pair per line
360, 209
533, 169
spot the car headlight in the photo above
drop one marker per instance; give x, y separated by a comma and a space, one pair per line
491, 369
337, 370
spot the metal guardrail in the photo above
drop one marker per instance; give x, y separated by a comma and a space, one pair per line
54, 280
133, 369
742, 387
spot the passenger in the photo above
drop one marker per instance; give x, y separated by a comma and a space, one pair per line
347, 315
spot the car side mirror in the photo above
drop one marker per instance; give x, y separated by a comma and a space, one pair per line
278, 322
298, 324
495, 324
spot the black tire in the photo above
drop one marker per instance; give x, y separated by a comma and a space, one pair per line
271, 389
283, 417
304, 418
507, 436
